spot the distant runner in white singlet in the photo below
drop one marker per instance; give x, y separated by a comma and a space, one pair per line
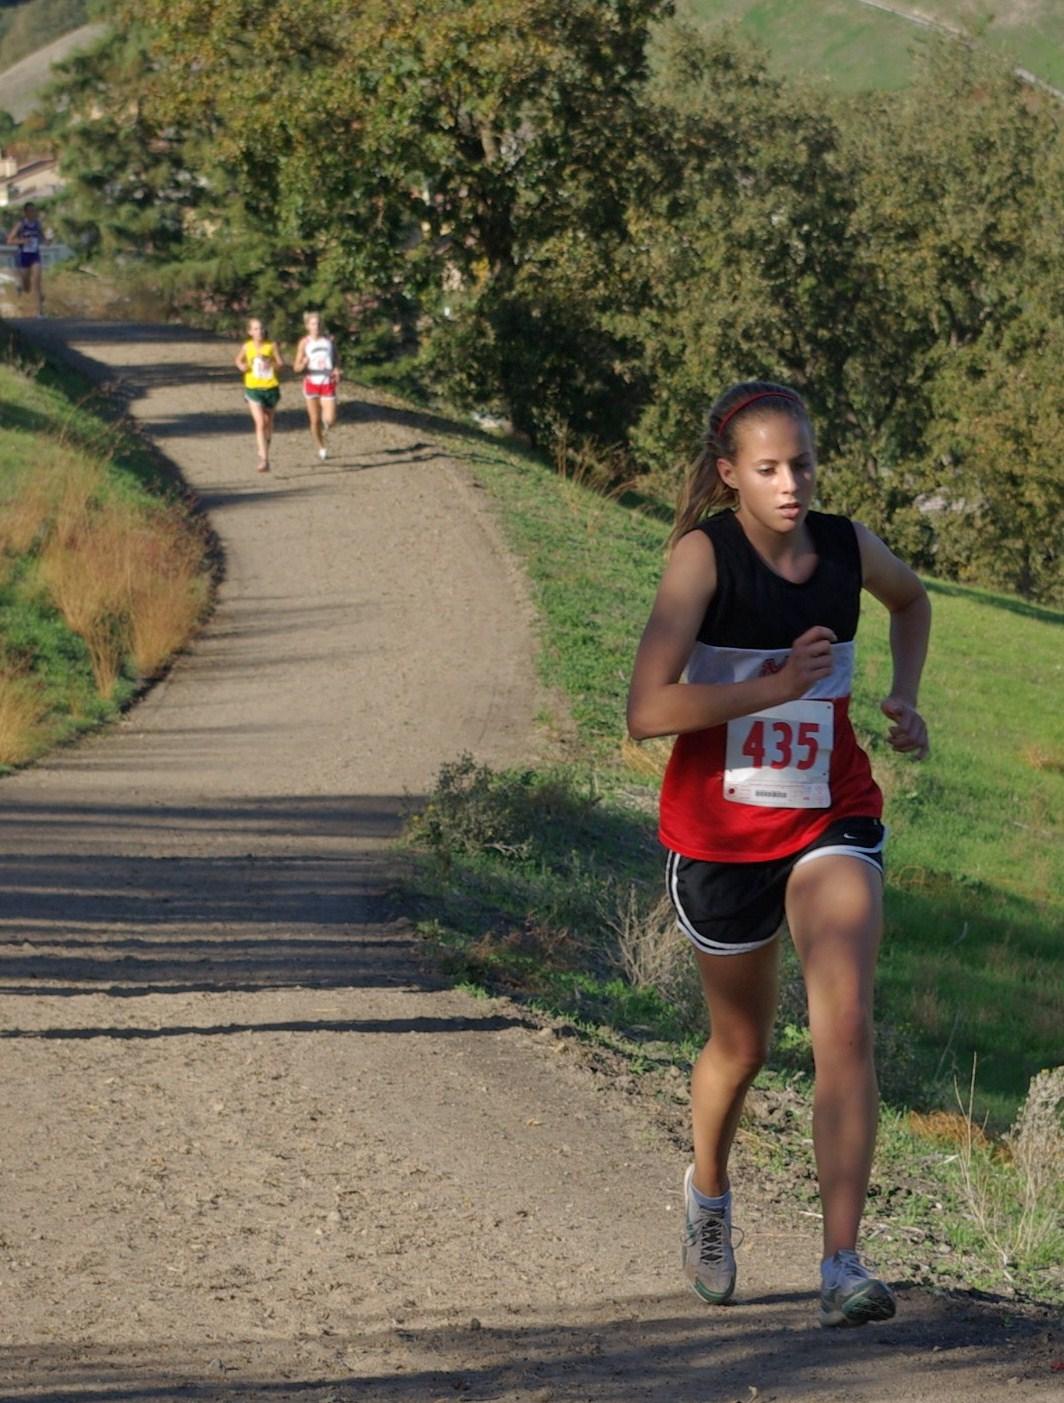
316, 361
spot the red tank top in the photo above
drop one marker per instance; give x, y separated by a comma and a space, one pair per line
763, 786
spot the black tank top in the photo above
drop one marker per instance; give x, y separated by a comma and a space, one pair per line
753, 607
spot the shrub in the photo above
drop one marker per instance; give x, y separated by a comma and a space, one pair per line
475, 809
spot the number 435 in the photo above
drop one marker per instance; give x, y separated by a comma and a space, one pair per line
784, 743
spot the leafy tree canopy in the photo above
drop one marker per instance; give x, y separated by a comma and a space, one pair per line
592, 218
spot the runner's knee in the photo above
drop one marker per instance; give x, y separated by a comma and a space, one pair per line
743, 1056
842, 1037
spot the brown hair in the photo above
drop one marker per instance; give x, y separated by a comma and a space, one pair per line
704, 490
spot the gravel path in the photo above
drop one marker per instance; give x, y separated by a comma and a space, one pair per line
252, 1149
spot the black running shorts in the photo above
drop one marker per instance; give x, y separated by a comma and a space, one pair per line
728, 908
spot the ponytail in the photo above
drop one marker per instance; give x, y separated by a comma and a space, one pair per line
704, 490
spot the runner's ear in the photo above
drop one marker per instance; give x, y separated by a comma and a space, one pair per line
727, 473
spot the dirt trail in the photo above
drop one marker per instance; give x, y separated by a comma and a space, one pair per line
251, 1149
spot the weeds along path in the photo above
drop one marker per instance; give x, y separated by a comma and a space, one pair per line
251, 1149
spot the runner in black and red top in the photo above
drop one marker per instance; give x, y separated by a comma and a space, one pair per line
768, 807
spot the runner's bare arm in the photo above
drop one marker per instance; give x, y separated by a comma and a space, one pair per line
15, 234
300, 362
899, 590
278, 358
658, 703
241, 362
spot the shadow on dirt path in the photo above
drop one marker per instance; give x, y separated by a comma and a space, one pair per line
254, 1149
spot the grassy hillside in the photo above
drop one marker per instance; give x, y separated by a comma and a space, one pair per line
28, 25
857, 46
103, 573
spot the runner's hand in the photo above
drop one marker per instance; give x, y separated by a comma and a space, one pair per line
809, 662
909, 732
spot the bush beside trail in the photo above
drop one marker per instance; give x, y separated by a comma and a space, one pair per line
104, 572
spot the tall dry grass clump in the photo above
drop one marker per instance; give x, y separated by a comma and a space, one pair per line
22, 710
170, 591
1015, 1193
49, 499
128, 580
648, 758
653, 953
1036, 1142
592, 477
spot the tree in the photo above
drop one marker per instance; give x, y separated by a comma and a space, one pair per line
422, 156
129, 185
957, 193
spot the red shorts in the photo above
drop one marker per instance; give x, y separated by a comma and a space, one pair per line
317, 389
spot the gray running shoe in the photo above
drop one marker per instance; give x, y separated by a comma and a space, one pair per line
850, 1294
708, 1259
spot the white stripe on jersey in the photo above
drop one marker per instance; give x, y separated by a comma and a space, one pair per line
708, 663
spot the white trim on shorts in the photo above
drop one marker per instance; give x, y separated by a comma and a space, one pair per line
683, 923
849, 850
717, 947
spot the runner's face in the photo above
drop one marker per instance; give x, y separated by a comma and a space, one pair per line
314, 326
774, 471
255, 329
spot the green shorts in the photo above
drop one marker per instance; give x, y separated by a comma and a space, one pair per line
267, 398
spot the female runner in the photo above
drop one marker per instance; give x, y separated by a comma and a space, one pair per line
260, 360
316, 361
769, 808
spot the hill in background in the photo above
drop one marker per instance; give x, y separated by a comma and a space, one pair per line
862, 44
28, 25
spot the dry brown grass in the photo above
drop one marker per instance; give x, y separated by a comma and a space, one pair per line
129, 581
170, 592
55, 495
946, 1128
646, 757
1039, 758
127, 577
22, 710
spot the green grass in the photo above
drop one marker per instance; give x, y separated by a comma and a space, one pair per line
857, 48
973, 961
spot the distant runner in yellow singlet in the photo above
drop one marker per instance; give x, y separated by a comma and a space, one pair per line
259, 361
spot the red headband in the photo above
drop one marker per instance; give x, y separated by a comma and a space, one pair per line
761, 394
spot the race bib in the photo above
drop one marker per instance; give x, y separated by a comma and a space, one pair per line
262, 367
31, 244
321, 362
781, 758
